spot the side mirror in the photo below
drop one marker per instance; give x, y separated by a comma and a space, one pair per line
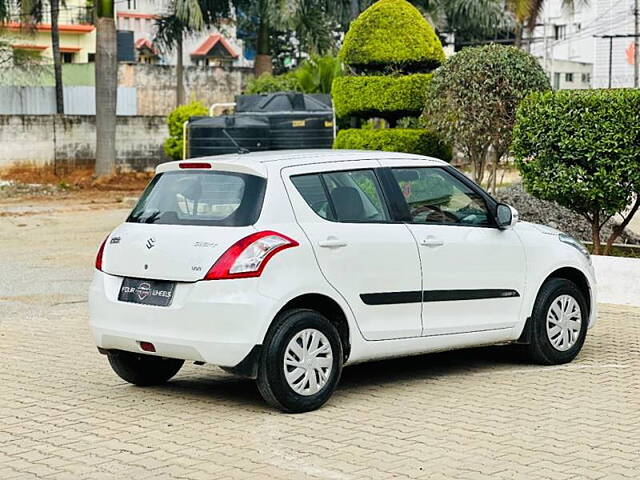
506, 216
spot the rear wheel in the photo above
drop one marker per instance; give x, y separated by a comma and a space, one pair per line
301, 361
558, 323
143, 370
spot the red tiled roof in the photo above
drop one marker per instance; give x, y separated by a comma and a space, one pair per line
145, 43
210, 42
45, 27
137, 15
29, 47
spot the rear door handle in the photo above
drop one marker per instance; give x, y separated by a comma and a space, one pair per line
431, 242
332, 242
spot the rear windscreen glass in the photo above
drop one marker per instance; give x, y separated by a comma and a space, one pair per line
201, 198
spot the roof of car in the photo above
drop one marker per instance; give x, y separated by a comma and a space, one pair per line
300, 157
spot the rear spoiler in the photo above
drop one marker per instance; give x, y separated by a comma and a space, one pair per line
208, 164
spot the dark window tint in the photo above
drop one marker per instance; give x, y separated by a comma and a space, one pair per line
201, 198
435, 196
349, 196
312, 190
356, 196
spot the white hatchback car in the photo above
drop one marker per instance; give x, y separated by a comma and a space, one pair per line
284, 266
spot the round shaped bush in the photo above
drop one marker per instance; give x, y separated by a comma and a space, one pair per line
390, 97
407, 140
391, 33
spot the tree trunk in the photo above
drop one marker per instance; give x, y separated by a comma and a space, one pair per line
618, 229
263, 62
518, 40
595, 233
57, 57
106, 88
179, 74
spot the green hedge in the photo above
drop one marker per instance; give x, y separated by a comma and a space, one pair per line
580, 148
391, 32
380, 96
418, 141
175, 121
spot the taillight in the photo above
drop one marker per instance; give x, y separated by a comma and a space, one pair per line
100, 253
248, 257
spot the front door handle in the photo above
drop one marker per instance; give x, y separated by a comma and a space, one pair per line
332, 242
431, 242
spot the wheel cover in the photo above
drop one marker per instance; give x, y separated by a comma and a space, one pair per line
308, 361
564, 322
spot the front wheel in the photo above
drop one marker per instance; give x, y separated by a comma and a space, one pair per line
558, 323
143, 370
301, 361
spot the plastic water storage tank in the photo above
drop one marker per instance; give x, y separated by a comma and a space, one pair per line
206, 134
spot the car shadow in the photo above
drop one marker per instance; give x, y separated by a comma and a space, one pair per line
215, 386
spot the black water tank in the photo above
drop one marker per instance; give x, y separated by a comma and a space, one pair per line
296, 120
206, 134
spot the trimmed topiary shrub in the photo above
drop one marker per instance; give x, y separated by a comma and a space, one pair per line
419, 141
381, 96
175, 121
390, 50
391, 32
472, 99
581, 149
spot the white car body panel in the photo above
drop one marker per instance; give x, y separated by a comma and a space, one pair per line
221, 321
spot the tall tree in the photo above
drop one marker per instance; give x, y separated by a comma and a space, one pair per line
31, 13
106, 87
184, 18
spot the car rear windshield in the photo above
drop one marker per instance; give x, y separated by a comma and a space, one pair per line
201, 198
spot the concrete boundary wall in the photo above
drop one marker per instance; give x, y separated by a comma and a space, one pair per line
48, 139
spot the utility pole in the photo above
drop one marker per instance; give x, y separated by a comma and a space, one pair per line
636, 52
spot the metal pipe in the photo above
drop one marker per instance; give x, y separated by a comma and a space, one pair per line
184, 139
216, 105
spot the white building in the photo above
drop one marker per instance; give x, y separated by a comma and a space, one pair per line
212, 47
570, 47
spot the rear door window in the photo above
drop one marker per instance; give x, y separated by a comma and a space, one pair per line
348, 196
201, 198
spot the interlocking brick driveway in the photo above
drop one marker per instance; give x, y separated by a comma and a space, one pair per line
471, 414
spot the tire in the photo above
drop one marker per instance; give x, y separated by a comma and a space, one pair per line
317, 381
143, 370
547, 346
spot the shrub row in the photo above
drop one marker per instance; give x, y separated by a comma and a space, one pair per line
380, 96
418, 141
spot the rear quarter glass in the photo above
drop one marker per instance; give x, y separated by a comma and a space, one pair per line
196, 197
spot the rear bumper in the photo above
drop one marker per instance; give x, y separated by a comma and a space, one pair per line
217, 322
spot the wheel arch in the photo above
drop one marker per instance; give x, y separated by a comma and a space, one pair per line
328, 307
574, 275
577, 277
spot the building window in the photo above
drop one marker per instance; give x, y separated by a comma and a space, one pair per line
67, 57
586, 78
91, 58
568, 77
556, 81
560, 32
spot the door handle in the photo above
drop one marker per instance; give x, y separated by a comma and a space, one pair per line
431, 242
332, 242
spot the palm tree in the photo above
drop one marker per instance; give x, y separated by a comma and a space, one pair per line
106, 87
184, 18
31, 13
312, 21
527, 12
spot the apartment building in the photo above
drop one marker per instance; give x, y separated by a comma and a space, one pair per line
77, 34
571, 47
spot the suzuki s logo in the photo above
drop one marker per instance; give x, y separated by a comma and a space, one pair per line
151, 242
143, 290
